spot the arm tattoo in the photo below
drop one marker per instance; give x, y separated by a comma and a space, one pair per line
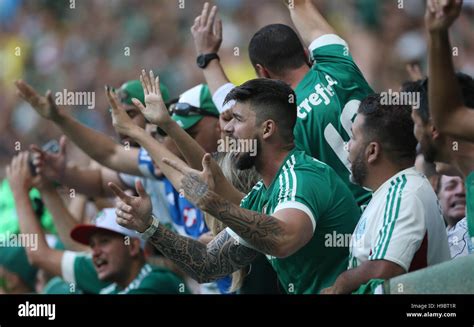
264, 232
194, 188
222, 256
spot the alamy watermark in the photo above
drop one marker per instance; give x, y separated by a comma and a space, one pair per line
400, 98
19, 240
230, 144
69, 98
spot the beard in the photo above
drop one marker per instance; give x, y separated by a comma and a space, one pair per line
359, 170
429, 152
246, 160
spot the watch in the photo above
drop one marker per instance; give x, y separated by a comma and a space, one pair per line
204, 59
150, 230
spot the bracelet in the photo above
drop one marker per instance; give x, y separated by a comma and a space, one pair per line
150, 230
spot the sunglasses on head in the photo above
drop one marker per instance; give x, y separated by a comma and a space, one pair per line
185, 109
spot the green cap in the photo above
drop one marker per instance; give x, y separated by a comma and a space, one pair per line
14, 260
199, 97
133, 89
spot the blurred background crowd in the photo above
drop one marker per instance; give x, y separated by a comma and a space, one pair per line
54, 46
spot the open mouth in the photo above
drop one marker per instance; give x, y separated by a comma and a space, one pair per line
458, 204
100, 264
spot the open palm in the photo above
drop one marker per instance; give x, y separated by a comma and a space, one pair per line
155, 111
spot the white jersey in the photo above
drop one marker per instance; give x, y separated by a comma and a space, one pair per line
403, 224
458, 238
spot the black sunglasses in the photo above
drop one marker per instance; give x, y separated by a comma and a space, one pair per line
185, 109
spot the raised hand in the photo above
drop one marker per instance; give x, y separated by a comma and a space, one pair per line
44, 105
122, 123
195, 184
155, 111
51, 165
19, 175
207, 31
133, 212
440, 14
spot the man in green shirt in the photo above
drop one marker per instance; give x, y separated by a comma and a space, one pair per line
117, 263
290, 215
328, 91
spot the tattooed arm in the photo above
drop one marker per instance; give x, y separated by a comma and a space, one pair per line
204, 263
220, 257
279, 235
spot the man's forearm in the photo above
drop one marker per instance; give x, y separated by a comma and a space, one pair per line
98, 146
444, 92
215, 75
63, 220
308, 20
41, 255
83, 180
265, 233
219, 258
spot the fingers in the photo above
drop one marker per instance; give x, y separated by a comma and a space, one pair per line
157, 85
147, 89
151, 81
211, 19
197, 22
119, 193
205, 8
26, 91
179, 167
110, 98
49, 97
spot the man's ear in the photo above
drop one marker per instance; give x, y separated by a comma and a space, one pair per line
434, 132
261, 71
134, 246
373, 152
268, 129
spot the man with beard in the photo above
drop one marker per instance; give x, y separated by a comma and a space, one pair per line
402, 228
328, 86
289, 215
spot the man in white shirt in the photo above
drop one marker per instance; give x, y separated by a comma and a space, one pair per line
402, 228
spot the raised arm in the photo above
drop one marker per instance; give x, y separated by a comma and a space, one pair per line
85, 180
207, 34
156, 112
449, 114
308, 20
21, 182
204, 263
98, 146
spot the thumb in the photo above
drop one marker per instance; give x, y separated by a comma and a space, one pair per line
62, 145
138, 104
206, 164
37, 150
140, 189
49, 96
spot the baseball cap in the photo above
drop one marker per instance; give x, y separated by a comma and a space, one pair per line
105, 222
193, 105
133, 89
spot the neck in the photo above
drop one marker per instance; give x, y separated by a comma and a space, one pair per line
294, 76
271, 160
133, 272
379, 175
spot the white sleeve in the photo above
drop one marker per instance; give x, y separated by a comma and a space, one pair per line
299, 206
402, 231
67, 266
326, 39
219, 96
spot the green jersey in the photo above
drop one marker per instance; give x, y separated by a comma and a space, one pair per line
328, 98
470, 204
79, 269
313, 187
